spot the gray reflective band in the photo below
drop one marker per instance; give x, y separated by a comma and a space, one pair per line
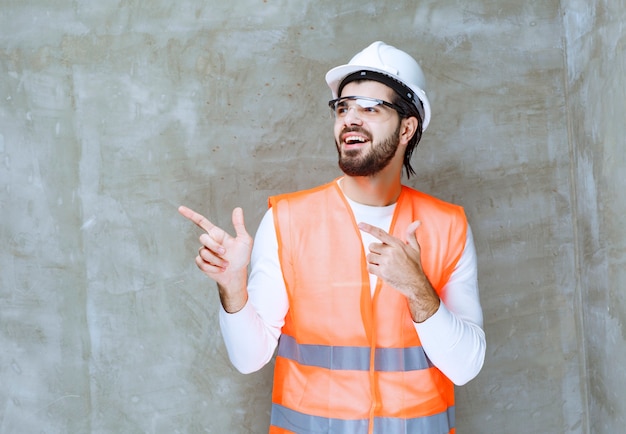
301, 423
353, 358
323, 356
440, 423
401, 359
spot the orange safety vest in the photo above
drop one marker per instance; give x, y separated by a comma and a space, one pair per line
349, 362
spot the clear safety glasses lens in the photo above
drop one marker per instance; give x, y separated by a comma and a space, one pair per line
365, 108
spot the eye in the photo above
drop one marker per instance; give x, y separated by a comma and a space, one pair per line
341, 109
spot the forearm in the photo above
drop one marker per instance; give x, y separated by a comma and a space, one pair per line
234, 295
455, 346
453, 338
425, 301
249, 343
252, 331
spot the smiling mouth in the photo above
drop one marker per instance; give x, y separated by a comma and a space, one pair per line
354, 137
354, 140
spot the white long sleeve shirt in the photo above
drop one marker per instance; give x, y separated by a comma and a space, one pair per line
453, 338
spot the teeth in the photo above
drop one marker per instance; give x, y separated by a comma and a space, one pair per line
353, 139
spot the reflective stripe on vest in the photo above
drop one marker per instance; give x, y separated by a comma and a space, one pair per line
353, 358
301, 423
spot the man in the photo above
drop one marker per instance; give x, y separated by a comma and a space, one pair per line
371, 286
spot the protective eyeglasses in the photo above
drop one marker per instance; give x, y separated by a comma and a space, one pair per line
371, 109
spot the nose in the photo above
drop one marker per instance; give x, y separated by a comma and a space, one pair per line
352, 116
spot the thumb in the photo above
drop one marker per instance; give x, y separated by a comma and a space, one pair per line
238, 223
411, 237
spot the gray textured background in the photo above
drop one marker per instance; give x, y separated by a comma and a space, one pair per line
112, 113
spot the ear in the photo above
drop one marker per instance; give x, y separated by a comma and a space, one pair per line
408, 127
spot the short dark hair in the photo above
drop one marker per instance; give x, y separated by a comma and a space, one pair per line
409, 110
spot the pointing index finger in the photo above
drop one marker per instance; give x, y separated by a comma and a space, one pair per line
200, 220
377, 233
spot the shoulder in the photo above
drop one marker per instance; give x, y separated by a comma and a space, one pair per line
433, 205
301, 196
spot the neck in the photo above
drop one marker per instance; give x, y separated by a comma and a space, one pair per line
378, 190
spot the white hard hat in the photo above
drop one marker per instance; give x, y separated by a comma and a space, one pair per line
391, 62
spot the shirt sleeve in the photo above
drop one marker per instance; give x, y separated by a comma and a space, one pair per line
251, 335
453, 338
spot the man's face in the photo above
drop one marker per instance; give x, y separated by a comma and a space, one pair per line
366, 145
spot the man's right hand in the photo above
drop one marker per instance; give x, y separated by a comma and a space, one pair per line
224, 258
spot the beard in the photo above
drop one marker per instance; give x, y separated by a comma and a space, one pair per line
359, 162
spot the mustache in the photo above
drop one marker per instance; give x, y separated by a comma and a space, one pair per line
356, 129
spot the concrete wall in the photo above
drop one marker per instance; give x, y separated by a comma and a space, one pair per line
596, 63
114, 112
